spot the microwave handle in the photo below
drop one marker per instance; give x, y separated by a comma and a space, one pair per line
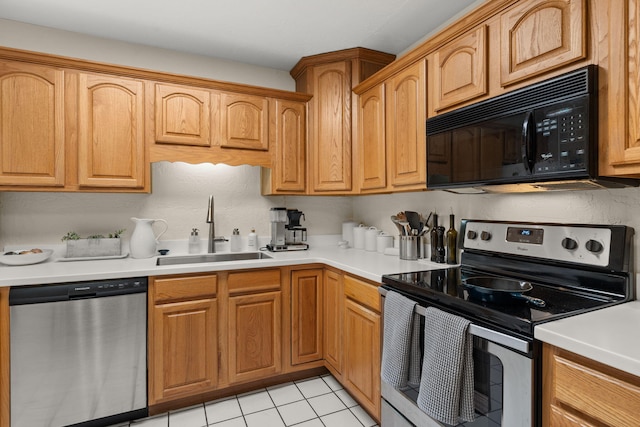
528, 141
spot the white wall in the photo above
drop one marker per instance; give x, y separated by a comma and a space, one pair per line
19, 35
180, 196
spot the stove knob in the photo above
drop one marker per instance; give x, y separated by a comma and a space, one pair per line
485, 235
472, 235
569, 244
594, 246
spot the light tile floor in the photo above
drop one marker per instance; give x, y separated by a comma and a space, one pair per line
313, 402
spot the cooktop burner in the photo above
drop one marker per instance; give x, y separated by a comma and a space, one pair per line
572, 269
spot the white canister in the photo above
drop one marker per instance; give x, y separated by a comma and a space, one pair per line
358, 236
347, 231
383, 241
370, 239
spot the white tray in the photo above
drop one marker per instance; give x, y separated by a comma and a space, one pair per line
93, 258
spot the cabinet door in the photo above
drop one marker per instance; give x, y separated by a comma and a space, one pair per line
31, 125
110, 132
184, 349
372, 140
333, 317
289, 130
460, 70
537, 36
306, 316
406, 128
361, 373
183, 115
255, 346
244, 121
331, 137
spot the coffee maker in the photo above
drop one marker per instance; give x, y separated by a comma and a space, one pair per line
286, 232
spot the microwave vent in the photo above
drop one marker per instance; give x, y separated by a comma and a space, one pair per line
570, 85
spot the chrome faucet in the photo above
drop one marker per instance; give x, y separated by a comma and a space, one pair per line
212, 227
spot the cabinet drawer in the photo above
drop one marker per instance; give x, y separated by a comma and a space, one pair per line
362, 292
602, 396
254, 281
179, 288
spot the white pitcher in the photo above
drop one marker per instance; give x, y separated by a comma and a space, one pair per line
143, 241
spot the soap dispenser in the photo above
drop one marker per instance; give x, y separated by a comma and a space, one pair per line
252, 240
235, 240
194, 241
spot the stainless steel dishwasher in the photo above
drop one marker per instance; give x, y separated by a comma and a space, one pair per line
78, 353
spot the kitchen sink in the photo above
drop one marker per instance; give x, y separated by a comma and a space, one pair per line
196, 259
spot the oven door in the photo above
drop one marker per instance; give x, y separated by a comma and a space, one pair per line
504, 385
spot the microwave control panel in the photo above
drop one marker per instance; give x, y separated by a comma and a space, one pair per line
562, 137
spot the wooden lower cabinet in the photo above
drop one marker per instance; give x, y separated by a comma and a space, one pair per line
183, 326
333, 313
581, 392
254, 325
361, 369
306, 316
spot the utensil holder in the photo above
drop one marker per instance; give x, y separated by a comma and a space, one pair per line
409, 247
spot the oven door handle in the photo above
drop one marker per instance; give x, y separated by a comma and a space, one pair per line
505, 340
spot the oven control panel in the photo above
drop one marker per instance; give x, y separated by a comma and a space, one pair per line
581, 244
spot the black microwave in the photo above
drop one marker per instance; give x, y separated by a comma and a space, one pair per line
540, 137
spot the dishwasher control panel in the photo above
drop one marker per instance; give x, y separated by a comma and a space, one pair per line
76, 290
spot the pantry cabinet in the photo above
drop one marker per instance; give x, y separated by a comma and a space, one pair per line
183, 326
306, 316
362, 343
254, 324
537, 36
111, 147
581, 392
32, 131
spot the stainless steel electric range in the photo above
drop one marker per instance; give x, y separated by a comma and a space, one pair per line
512, 277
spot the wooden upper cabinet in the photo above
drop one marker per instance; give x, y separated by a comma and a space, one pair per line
406, 127
288, 132
182, 115
537, 36
620, 132
244, 121
372, 156
32, 132
111, 149
333, 111
331, 142
460, 70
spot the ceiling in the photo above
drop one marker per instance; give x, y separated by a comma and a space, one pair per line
270, 33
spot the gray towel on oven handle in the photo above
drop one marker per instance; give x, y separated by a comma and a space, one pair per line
398, 325
446, 388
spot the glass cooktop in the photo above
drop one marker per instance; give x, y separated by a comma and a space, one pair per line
446, 289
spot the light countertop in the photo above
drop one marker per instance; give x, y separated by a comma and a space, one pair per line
368, 265
610, 335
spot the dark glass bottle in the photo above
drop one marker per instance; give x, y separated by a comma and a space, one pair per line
440, 245
433, 235
452, 242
